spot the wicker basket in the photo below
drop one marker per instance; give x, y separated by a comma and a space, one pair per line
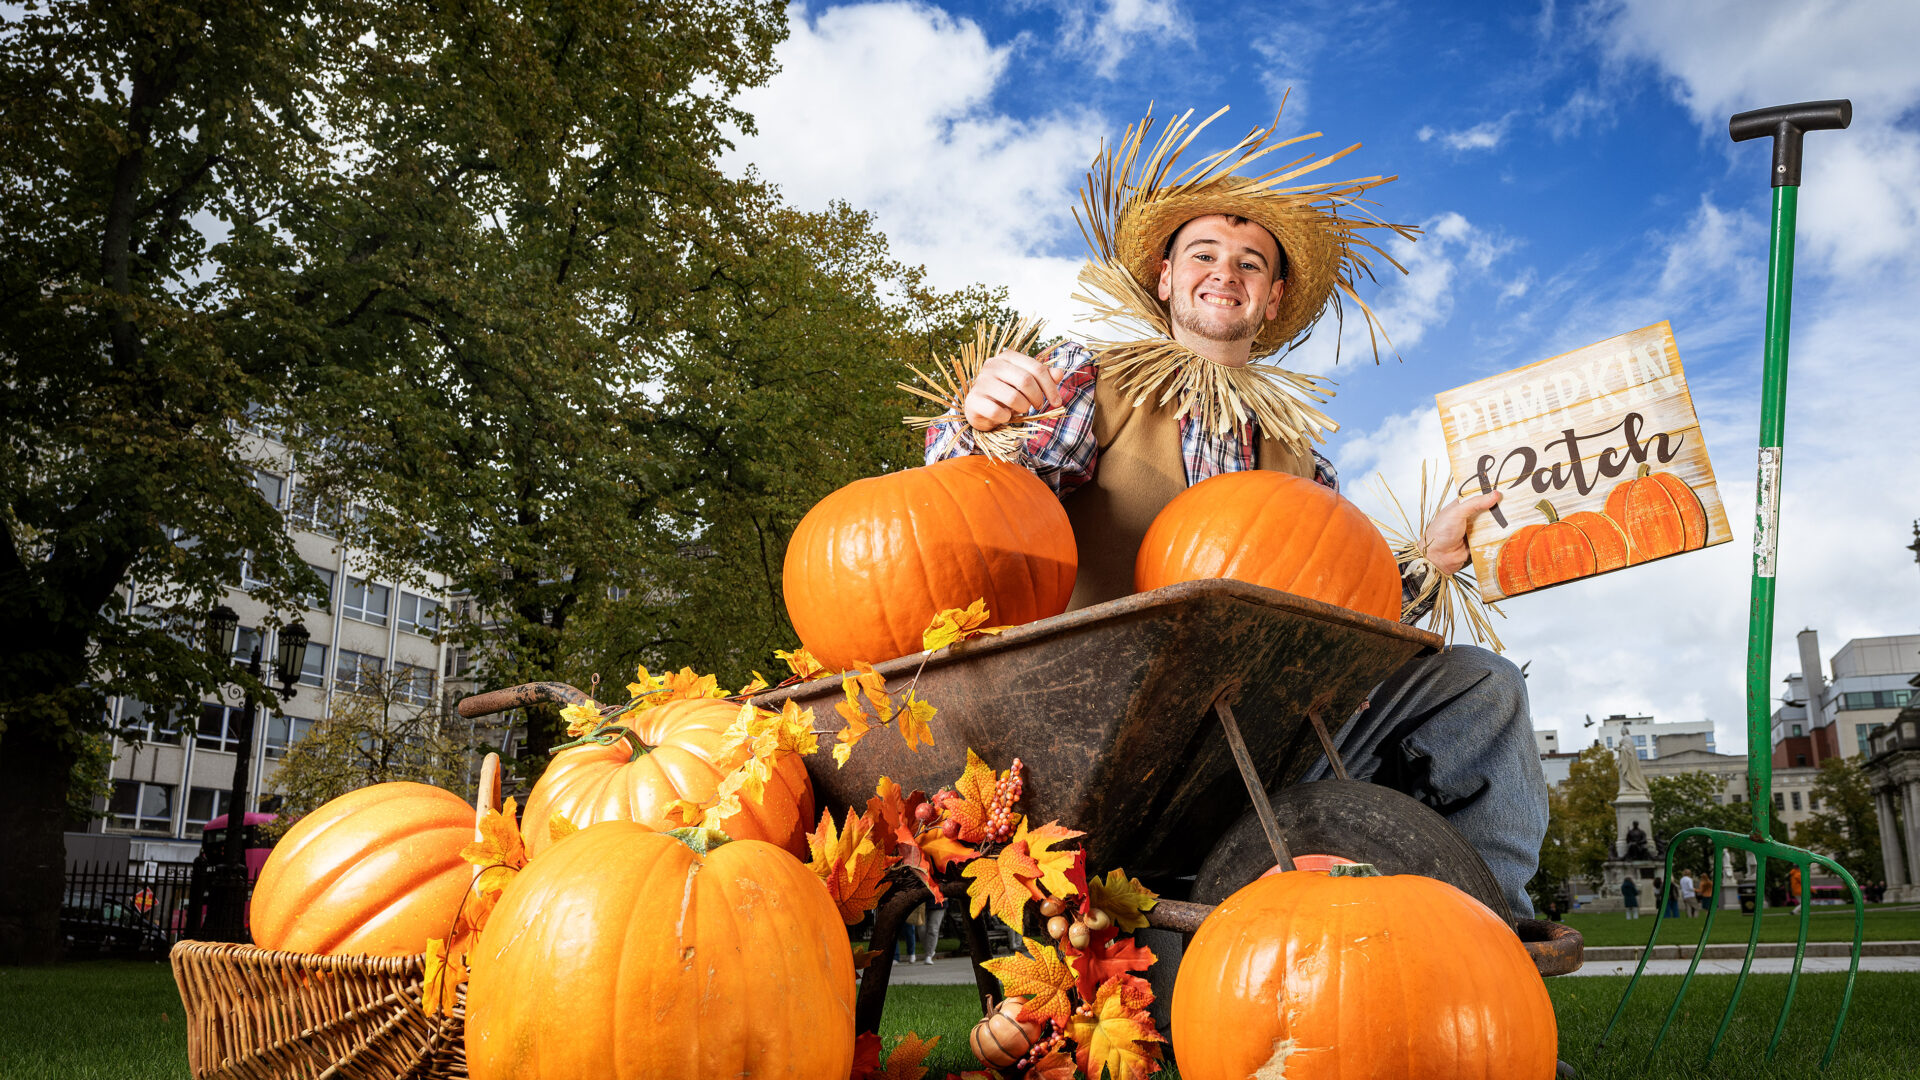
254, 1014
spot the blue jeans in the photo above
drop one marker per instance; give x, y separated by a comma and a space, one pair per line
1453, 730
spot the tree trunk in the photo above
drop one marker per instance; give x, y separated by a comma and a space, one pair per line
36, 766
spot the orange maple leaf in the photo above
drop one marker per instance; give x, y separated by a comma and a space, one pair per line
1052, 865
848, 862
1106, 957
1119, 1037
1041, 977
685, 684
1004, 882
1057, 1065
943, 851
1122, 897
975, 788
866, 1056
497, 856
559, 826
904, 1063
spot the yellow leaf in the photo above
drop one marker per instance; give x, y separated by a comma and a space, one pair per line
684, 684
1123, 898
1053, 865
958, 624
1001, 883
758, 684
796, 729
559, 826
905, 1062
874, 686
975, 788
440, 982
801, 663
581, 719
914, 715
1118, 1037
499, 843
841, 753
1040, 976
849, 863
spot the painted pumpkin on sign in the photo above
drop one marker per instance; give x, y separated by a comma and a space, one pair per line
375, 872
1316, 977
670, 756
1660, 514
622, 951
871, 564
1273, 529
1560, 550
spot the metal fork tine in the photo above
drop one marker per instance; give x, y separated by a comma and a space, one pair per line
1799, 953
1853, 969
1753, 942
1659, 913
1699, 947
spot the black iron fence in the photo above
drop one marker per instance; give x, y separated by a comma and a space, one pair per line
113, 909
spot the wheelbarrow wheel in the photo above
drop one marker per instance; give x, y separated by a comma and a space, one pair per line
1350, 819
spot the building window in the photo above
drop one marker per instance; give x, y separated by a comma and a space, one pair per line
365, 602
244, 643
271, 487
1875, 699
1796, 730
203, 805
313, 667
140, 722
353, 670
323, 599
414, 684
1800, 761
249, 578
141, 806
219, 727
283, 732
419, 614
1813, 802
315, 514
459, 662
1737, 797
1796, 800
1609, 742
1864, 733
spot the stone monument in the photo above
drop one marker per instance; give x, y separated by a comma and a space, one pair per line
1635, 854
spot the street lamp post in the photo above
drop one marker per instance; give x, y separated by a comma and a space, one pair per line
229, 884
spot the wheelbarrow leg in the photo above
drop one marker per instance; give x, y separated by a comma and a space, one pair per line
1251, 777
901, 899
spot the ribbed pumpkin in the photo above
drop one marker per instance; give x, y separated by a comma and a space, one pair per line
1002, 1039
1315, 977
678, 742
376, 871
1274, 529
622, 952
1560, 550
1660, 514
871, 564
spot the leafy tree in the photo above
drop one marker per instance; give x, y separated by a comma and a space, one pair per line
1846, 828
1692, 800
1580, 825
374, 734
149, 148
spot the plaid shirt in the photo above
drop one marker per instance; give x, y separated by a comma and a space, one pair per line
1065, 454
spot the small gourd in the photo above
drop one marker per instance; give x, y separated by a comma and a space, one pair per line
1003, 1038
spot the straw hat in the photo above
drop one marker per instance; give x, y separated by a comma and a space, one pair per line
1134, 206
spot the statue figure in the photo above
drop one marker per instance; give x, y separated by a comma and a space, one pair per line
1633, 780
1638, 847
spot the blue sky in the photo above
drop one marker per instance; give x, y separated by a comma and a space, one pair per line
1571, 167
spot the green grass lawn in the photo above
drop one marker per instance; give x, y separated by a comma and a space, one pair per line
105, 1020
1890, 922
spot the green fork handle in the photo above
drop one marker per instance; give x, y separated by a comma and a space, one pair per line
1785, 124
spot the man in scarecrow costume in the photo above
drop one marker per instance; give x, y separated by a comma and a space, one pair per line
1215, 268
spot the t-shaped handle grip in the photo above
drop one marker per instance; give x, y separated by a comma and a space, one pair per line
1786, 123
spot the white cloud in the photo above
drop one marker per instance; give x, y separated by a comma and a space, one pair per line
1113, 32
889, 107
1287, 52
1483, 136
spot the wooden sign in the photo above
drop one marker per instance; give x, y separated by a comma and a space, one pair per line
1599, 455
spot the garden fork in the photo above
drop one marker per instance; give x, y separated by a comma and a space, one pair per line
1786, 124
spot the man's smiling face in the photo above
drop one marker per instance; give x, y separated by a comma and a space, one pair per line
1219, 278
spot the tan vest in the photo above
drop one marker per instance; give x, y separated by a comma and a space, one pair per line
1139, 471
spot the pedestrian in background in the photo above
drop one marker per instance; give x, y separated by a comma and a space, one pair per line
1630, 893
910, 930
936, 914
1687, 899
1793, 888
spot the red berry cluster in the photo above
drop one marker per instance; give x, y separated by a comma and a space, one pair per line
1000, 815
1050, 1039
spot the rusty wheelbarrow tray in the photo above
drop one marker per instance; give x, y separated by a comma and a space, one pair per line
1109, 709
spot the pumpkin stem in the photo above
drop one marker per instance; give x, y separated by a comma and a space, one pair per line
1353, 870
1645, 470
1546, 508
607, 736
699, 839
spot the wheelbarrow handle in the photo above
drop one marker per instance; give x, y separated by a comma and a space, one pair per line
516, 697
1787, 123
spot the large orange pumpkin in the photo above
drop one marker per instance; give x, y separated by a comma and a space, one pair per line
1274, 529
871, 564
1310, 976
376, 871
1560, 550
621, 951
1660, 514
677, 743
